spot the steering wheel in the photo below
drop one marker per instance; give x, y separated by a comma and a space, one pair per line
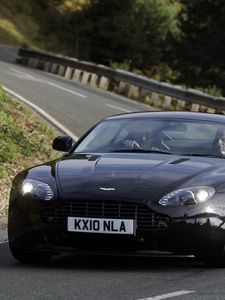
132, 144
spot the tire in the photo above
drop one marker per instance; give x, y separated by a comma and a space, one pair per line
31, 257
215, 262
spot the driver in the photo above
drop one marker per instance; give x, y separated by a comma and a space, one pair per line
143, 140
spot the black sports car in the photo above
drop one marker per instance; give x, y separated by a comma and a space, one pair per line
150, 183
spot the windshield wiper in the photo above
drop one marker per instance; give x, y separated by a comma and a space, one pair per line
202, 154
139, 151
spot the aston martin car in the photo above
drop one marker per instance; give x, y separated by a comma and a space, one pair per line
147, 183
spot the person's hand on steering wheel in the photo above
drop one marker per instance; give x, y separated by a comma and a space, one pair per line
131, 144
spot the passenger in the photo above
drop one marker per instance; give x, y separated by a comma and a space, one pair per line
219, 143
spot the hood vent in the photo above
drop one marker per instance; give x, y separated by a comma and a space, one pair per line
178, 161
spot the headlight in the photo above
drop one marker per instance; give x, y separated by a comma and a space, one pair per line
38, 189
186, 196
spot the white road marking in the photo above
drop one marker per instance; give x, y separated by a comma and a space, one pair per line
66, 90
43, 113
21, 73
169, 295
118, 108
30, 77
3, 242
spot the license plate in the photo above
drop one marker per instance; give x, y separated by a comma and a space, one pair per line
95, 225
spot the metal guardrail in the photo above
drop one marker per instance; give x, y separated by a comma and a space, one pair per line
134, 86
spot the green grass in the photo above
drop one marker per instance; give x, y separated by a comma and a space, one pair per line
25, 141
23, 137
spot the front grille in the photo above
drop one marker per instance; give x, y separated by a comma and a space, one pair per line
146, 219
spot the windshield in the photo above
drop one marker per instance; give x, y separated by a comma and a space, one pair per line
189, 137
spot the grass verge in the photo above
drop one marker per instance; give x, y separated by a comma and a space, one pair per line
25, 141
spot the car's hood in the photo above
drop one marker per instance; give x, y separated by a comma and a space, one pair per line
133, 177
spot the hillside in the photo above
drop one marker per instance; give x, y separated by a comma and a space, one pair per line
40, 24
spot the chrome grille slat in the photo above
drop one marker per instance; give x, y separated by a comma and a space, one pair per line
146, 219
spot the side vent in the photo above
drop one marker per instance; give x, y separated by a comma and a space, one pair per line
94, 157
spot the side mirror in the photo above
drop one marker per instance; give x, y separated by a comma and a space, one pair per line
62, 143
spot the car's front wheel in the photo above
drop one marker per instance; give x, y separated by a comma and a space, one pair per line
31, 257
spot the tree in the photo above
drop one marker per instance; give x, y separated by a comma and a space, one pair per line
127, 30
201, 50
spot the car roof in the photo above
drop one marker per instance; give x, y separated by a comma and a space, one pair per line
171, 115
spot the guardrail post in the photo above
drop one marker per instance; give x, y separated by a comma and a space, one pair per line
32, 62
154, 98
25, 60
122, 88
94, 80
61, 70
195, 107
133, 92
211, 110
85, 77
180, 104
77, 75
40, 64
69, 72
104, 83
203, 108
47, 66
143, 95
54, 68
35, 63
167, 102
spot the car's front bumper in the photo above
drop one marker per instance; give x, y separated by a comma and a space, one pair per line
185, 236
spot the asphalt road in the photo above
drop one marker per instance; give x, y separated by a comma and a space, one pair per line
70, 277
75, 106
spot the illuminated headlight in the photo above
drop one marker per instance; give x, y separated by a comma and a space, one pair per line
186, 196
38, 189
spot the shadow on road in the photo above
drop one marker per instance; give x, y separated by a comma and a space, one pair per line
102, 263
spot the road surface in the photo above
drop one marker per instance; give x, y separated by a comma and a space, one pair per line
69, 277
